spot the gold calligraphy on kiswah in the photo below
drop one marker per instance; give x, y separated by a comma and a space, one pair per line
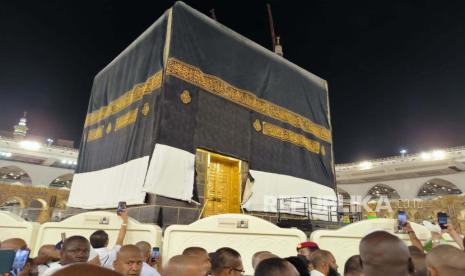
95, 134
125, 100
244, 98
126, 119
122, 121
291, 137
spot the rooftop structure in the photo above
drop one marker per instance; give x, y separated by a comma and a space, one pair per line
35, 160
419, 175
20, 130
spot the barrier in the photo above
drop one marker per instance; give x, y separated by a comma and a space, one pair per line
13, 226
344, 242
244, 233
85, 224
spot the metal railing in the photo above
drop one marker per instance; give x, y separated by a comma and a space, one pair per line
311, 208
289, 206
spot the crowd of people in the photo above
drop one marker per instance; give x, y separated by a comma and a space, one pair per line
381, 253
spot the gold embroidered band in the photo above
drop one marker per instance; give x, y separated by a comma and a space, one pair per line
126, 119
125, 100
291, 137
245, 98
95, 134
122, 121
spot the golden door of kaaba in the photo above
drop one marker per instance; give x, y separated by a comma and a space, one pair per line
222, 185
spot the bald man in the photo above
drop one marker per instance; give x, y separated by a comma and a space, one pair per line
275, 267
261, 256
184, 265
323, 263
129, 261
147, 269
352, 266
196, 251
384, 254
13, 244
445, 260
84, 269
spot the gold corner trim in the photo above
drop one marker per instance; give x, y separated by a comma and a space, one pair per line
95, 134
219, 87
126, 119
291, 137
125, 100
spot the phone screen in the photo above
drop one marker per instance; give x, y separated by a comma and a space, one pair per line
20, 259
401, 219
121, 207
442, 220
155, 253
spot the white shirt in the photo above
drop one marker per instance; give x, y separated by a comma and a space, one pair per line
43, 267
148, 270
106, 256
54, 267
316, 273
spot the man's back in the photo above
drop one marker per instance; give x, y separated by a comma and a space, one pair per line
107, 256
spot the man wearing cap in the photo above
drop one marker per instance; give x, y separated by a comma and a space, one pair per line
307, 249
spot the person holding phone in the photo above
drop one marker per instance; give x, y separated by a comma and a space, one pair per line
99, 241
21, 266
435, 237
150, 258
413, 236
450, 229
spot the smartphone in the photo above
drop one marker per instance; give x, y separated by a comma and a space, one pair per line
155, 254
121, 207
401, 220
6, 260
21, 257
442, 220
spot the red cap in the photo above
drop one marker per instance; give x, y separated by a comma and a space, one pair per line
312, 245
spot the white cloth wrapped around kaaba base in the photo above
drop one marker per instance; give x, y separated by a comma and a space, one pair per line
268, 187
171, 173
105, 188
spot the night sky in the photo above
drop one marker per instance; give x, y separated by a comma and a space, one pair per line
396, 69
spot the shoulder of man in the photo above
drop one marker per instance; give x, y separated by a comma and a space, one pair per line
52, 269
147, 270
